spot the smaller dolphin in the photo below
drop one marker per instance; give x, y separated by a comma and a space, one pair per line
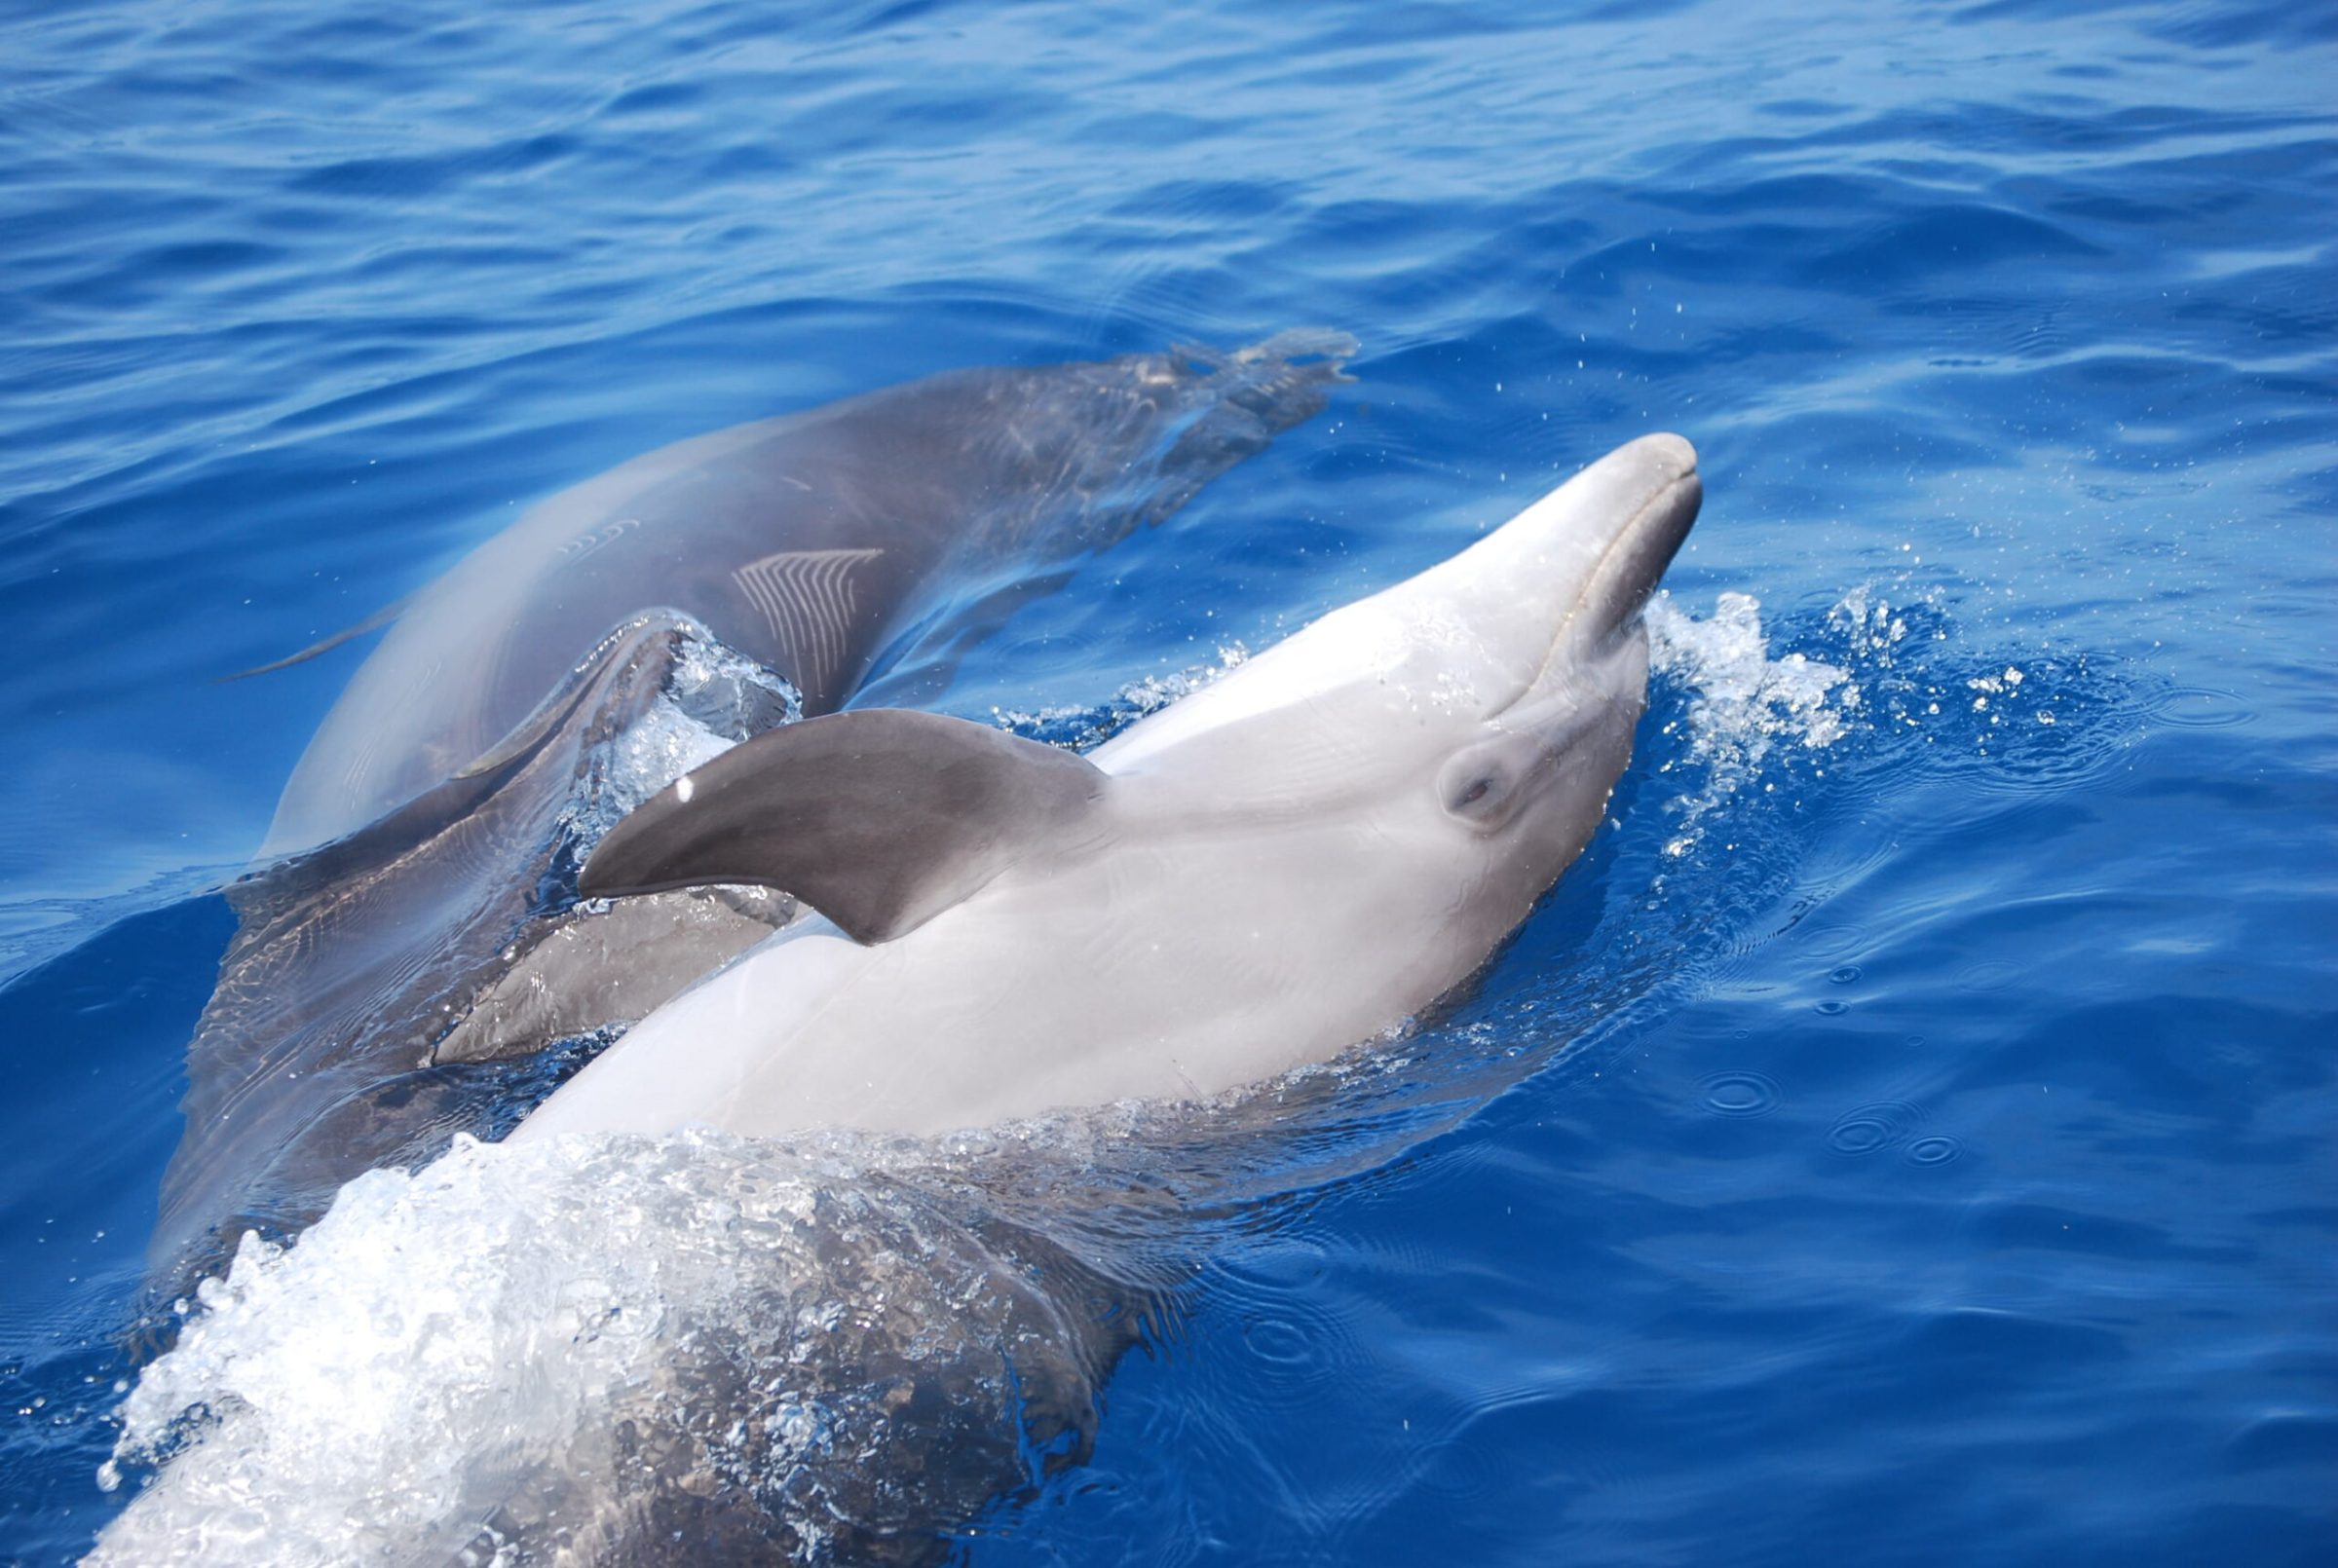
1293, 860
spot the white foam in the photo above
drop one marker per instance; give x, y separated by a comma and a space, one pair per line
474, 1344
421, 1310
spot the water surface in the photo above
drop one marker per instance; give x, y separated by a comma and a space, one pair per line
1905, 1134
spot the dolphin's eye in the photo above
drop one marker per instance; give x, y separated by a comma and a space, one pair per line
1477, 790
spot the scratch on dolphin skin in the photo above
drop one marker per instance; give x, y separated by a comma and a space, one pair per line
584, 544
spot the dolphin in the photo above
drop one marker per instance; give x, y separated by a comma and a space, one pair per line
716, 1347
411, 935
1294, 859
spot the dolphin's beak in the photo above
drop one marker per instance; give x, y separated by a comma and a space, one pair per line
1647, 492
1554, 588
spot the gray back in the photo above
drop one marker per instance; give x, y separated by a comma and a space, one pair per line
809, 543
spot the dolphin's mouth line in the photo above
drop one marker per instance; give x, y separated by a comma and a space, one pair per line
1663, 495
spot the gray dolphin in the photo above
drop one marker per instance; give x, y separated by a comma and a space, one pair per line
405, 945
1294, 859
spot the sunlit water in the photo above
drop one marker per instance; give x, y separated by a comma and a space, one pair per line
1905, 1132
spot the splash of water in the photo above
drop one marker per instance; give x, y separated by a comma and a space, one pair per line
600, 1344
712, 698
1745, 702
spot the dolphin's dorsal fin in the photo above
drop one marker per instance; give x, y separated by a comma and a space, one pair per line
880, 818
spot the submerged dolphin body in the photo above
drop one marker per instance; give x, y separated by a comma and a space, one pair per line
1286, 863
435, 820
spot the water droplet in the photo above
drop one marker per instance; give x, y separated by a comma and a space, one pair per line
1845, 975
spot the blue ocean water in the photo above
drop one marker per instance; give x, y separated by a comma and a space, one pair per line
1915, 1140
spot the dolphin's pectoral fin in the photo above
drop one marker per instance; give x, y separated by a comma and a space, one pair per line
588, 970
880, 818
